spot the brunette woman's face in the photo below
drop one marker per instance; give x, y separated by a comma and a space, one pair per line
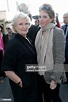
44, 18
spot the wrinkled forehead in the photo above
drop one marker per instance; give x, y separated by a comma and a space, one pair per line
65, 15
22, 20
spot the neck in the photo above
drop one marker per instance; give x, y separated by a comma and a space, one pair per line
24, 35
48, 26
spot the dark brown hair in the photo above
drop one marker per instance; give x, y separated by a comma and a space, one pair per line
48, 9
1, 28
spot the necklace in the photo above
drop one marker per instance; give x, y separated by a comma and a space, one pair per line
28, 40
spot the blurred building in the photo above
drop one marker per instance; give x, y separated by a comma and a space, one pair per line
3, 19
2, 15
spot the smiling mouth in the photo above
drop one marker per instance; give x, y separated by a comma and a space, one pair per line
24, 30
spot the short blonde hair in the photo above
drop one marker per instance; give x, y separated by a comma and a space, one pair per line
17, 16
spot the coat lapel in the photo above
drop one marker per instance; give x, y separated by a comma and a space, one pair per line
26, 43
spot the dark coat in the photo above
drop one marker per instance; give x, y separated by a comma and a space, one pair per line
18, 53
1, 56
32, 32
7, 38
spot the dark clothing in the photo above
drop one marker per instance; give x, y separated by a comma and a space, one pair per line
18, 53
66, 48
4, 39
2, 74
32, 32
66, 58
66, 68
64, 27
1, 56
49, 95
8, 37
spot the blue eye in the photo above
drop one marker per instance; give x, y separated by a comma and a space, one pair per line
27, 24
42, 16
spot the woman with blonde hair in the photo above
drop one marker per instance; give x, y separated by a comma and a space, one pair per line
19, 53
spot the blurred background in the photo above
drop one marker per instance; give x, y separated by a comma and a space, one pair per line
8, 8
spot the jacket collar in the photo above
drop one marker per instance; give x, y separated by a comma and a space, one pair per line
26, 42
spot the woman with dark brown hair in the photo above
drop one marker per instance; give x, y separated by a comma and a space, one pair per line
50, 47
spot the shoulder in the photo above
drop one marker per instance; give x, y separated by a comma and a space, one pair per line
58, 31
63, 26
12, 43
58, 34
33, 28
3, 34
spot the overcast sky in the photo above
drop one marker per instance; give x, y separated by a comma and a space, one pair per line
59, 6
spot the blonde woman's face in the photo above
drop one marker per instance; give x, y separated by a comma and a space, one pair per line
44, 18
22, 26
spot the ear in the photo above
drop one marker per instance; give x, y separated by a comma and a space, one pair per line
14, 28
51, 19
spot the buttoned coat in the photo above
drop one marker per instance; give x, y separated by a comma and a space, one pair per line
18, 54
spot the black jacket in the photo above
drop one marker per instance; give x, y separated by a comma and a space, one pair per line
18, 53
